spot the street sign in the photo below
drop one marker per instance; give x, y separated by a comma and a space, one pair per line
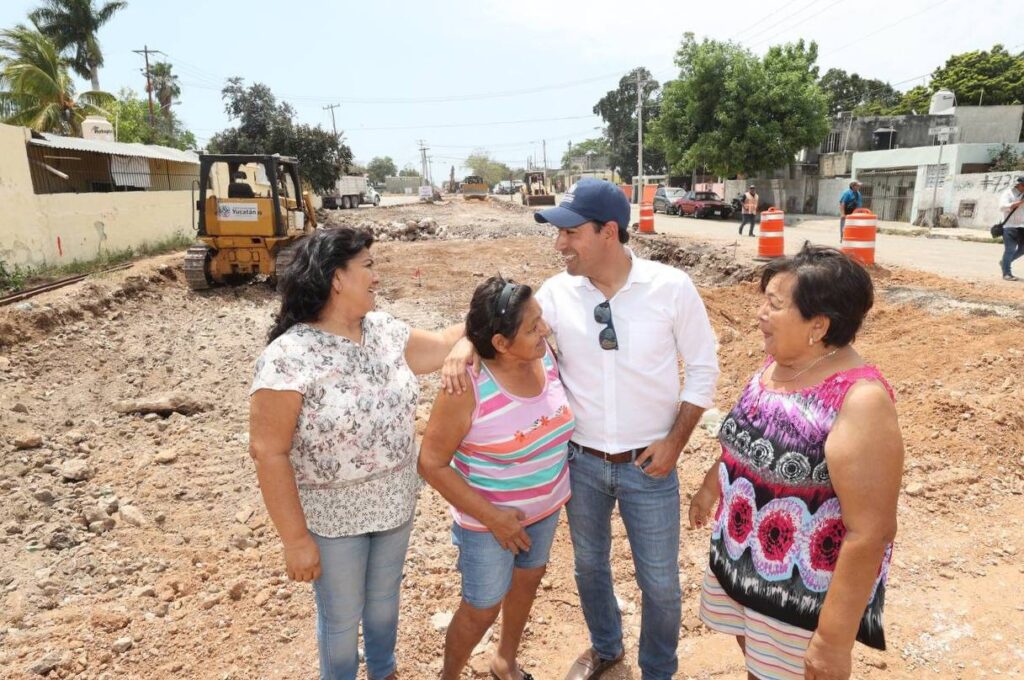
943, 132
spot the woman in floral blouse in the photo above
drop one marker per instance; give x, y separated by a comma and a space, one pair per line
807, 483
332, 414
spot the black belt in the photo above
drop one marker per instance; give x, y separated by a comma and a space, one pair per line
620, 457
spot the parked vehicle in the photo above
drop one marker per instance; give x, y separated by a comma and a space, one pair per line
665, 197
351, 191
505, 187
702, 204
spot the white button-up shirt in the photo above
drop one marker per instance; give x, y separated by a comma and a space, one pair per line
629, 398
1009, 197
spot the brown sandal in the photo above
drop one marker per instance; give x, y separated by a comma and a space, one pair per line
589, 665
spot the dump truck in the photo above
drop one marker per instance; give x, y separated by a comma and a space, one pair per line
351, 191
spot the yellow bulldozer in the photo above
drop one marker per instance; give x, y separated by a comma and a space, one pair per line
251, 213
535, 190
474, 187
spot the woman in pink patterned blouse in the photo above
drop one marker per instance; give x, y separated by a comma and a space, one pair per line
807, 483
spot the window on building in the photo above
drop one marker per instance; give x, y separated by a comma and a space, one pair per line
74, 171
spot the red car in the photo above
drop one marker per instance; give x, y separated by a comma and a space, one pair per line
702, 204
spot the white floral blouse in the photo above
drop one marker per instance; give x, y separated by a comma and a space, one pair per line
354, 448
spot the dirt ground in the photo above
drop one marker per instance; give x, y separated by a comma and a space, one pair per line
137, 546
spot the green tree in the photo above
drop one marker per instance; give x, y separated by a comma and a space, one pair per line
266, 126
618, 110
481, 163
409, 171
165, 85
597, 146
732, 113
36, 89
73, 25
987, 77
130, 116
379, 168
915, 100
849, 92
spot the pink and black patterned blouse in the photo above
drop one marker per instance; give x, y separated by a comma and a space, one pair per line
778, 527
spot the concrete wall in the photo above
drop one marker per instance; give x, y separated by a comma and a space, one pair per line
790, 195
398, 185
974, 198
54, 229
829, 191
989, 124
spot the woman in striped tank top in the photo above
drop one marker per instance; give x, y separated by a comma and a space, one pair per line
498, 455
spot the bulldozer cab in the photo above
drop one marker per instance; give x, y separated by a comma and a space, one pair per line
535, 190
249, 195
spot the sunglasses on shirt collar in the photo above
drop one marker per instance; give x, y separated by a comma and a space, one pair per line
603, 315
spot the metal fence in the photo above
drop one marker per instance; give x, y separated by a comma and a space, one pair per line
62, 171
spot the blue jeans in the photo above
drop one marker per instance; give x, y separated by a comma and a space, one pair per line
745, 219
649, 508
1013, 247
359, 580
842, 223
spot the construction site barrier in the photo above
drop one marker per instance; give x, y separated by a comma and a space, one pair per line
770, 241
859, 235
628, 190
647, 218
648, 194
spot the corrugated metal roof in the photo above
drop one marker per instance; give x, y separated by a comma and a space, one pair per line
164, 153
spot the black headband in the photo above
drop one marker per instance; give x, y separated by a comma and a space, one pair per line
506, 295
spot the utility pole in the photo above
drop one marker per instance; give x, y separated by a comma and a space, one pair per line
640, 138
544, 151
423, 162
145, 51
333, 125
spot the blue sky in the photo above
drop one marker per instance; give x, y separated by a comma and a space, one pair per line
443, 71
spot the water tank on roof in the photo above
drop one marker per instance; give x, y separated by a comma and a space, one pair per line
97, 127
883, 138
943, 103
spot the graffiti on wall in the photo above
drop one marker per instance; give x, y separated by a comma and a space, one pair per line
997, 182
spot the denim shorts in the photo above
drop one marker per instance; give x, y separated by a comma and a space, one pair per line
486, 567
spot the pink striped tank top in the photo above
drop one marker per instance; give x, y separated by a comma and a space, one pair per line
515, 452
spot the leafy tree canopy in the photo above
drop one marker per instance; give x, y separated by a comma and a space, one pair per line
597, 146
266, 126
849, 92
409, 171
73, 26
481, 163
379, 168
618, 110
130, 116
733, 113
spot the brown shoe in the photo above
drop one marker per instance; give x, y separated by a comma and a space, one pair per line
590, 665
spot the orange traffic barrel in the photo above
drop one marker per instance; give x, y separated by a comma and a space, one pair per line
859, 235
770, 241
647, 218
628, 190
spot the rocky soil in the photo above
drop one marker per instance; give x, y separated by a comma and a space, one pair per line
133, 542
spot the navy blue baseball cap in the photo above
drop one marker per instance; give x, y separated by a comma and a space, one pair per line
589, 199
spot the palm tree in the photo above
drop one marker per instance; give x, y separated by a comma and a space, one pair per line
74, 24
36, 89
165, 85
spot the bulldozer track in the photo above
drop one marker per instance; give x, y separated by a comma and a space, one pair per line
11, 298
195, 265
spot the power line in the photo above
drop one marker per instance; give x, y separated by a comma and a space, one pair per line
802, 21
784, 18
462, 125
861, 38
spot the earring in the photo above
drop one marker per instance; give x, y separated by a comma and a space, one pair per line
810, 341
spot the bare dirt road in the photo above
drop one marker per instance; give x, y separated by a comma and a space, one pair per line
136, 546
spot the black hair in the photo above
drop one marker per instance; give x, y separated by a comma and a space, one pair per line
485, 317
623, 230
306, 280
829, 284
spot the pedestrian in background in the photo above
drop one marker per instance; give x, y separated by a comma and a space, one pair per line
1013, 226
332, 432
848, 202
750, 201
807, 484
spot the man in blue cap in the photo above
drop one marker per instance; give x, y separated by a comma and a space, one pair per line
621, 323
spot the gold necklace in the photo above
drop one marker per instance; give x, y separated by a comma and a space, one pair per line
805, 369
